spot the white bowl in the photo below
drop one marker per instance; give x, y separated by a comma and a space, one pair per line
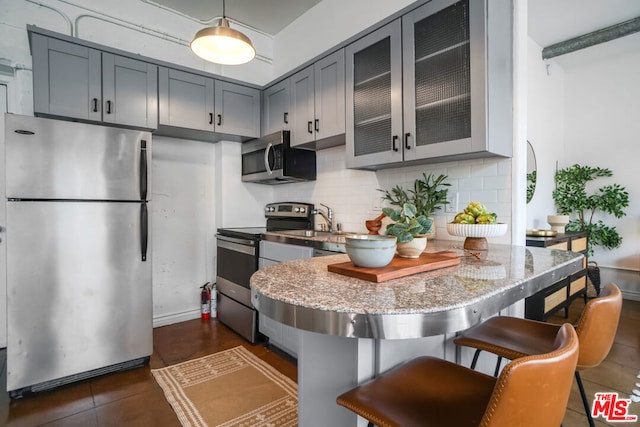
476, 230
371, 251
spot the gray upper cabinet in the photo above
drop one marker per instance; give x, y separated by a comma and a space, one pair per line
318, 103
198, 107
310, 103
276, 106
79, 82
129, 92
237, 109
374, 85
302, 107
186, 100
452, 52
330, 101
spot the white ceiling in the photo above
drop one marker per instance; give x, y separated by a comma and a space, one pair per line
550, 21
269, 16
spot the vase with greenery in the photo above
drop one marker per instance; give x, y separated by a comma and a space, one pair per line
572, 198
429, 194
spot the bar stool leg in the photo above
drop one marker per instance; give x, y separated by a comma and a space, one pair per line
585, 402
495, 374
475, 358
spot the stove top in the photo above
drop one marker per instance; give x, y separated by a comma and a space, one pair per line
279, 216
243, 232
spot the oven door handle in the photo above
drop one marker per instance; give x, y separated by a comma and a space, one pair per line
249, 250
266, 158
239, 240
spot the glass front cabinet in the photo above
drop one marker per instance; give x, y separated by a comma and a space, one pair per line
418, 88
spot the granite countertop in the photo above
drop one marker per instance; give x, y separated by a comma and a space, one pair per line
304, 294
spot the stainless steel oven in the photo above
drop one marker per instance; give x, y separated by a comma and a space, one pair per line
237, 260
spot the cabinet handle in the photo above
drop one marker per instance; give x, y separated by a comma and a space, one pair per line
219, 119
317, 125
210, 118
108, 107
309, 123
395, 142
286, 118
95, 105
406, 141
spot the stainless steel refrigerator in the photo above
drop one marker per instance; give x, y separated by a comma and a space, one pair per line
79, 300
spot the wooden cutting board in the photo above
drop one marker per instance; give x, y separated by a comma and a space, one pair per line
398, 267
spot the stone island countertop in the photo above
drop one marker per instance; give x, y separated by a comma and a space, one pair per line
303, 294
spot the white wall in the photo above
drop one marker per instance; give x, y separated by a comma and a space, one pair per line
602, 111
545, 130
183, 226
583, 108
327, 24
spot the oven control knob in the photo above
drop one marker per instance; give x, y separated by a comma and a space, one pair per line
303, 210
296, 210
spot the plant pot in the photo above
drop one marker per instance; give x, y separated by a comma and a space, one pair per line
558, 222
412, 249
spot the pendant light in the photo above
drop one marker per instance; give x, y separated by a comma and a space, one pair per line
222, 44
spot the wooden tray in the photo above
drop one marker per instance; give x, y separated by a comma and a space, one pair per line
398, 267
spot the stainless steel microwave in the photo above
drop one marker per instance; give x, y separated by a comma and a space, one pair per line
272, 160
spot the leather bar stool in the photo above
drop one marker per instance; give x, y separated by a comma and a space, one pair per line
512, 337
530, 392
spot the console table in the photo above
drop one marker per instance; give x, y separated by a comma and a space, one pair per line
559, 295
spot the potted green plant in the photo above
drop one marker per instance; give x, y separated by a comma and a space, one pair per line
428, 195
571, 198
409, 228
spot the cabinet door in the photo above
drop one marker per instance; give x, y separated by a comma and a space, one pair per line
329, 96
437, 80
130, 89
237, 109
302, 107
374, 94
66, 79
186, 100
275, 108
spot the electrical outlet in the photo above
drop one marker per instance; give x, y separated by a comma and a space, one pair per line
452, 203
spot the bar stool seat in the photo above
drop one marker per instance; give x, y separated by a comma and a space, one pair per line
426, 391
512, 337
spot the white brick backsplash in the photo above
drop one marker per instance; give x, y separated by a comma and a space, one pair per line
353, 195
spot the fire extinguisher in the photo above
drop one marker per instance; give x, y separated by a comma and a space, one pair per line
205, 302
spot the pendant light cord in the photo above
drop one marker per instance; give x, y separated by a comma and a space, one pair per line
223, 11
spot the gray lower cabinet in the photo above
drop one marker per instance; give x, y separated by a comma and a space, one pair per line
78, 82
282, 336
199, 107
442, 58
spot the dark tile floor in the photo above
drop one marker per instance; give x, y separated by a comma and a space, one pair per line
133, 398
130, 398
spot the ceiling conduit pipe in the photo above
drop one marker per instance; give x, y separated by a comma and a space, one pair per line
591, 39
66, 18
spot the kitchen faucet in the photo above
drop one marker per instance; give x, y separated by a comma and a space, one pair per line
328, 217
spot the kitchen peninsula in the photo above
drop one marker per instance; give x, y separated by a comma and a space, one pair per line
351, 329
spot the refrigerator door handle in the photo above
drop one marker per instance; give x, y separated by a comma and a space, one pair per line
143, 170
144, 230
